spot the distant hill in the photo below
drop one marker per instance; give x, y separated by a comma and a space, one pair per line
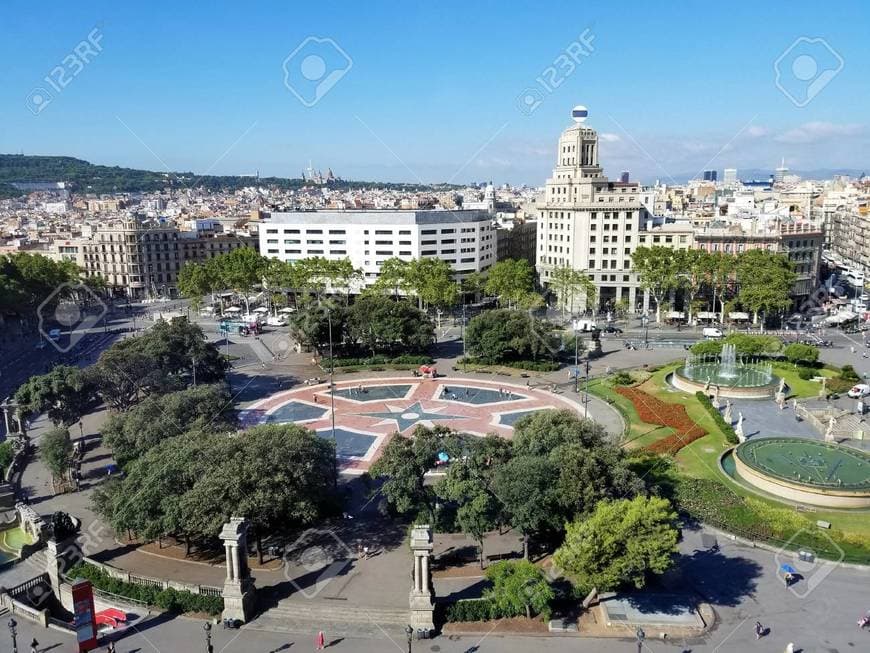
89, 178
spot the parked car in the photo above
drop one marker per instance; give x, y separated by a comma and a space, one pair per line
712, 332
276, 320
611, 328
860, 390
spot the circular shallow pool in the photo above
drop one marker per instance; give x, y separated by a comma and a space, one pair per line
804, 470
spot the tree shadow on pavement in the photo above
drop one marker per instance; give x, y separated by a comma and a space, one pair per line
721, 580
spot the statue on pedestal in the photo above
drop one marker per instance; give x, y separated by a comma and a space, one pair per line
739, 429
829, 432
729, 419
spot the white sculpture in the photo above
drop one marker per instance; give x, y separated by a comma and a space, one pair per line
739, 429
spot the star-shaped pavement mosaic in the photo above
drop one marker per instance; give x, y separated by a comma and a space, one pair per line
411, 416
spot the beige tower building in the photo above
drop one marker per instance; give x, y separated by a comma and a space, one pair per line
591, 223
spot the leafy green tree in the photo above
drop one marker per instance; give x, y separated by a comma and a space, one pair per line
241, 269
404, 463
504, 335
622, 542
473, 283
707, 347
510, 279
393, 278
572, 285
718, 270
519, 587
589, 468
55, 452
64, 393
166, 357
527, 488
194, 282
28, 280
694, 265
280, 476
766, 280
431, 279
754, 345
131, 433
545, 430
310, 324
384, 325
797, 352
469, 484
658, 270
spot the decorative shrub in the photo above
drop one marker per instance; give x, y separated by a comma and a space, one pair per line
171, 600
534, 366
727, 429
622, 378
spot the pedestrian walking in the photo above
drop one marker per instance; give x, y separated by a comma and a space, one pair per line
319, 641
759, 630
111, 648
365, 553
34, 646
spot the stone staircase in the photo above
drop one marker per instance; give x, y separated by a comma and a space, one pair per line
334, 618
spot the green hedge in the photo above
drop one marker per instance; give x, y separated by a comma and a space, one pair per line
6, 454
725, 427
171, 600
534, 366
404, 359
476, 610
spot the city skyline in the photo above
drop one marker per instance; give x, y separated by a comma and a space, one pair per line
670, 94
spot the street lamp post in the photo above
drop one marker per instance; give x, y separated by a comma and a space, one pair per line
332, 399
640, 637
644, 320
207, 628
576, 362
409, 632
12, 631
586, 393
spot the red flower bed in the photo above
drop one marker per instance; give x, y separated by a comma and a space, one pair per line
655, 411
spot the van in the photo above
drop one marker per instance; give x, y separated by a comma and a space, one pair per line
584, 325
712, 332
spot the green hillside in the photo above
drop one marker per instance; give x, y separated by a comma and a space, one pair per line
89, 178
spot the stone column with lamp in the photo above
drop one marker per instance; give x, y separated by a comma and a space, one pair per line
422, 595
238, 593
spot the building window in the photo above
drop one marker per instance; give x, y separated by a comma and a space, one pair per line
337, 232
427, 232
314, 231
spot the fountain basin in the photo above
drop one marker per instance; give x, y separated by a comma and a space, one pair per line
727, 376
803, 470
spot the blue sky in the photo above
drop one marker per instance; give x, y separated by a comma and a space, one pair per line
435, 91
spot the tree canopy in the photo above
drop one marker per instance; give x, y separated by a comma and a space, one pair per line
505, 335
280, 477
510, 279
620, 543
64, 393
203, 408
381, 324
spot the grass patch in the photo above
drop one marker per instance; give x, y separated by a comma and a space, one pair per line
740, 510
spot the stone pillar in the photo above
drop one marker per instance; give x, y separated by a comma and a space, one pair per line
61, 556
238, 594
422, 597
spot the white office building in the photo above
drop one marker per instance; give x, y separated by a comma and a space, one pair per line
465, 239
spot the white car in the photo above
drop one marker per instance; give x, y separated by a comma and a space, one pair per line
860, 390
276, 321
712, 332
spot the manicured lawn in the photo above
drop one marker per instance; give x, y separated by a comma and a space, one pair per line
699, 459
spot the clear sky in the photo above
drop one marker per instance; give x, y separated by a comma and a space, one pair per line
435, 91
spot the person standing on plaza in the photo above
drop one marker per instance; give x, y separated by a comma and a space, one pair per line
759, 630
34, 646
319, 641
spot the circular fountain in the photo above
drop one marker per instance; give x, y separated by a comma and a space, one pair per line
726, 375
803, 470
